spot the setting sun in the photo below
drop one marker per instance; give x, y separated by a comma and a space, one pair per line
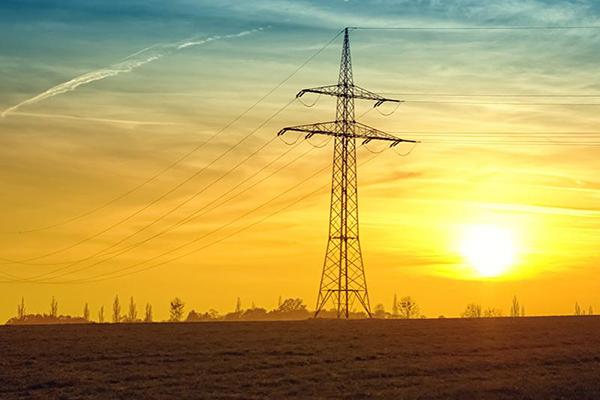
489, 249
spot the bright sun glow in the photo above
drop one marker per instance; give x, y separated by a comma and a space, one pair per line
489, 249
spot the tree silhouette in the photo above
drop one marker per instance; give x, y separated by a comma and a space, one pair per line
101, 315
514, 308
472, 311
132, 313
395, 307
86, 312
408, 308
255, 314
53, 307
211, 315
522, 310
238, 306
291, 305
379, 312
148, 313
116, 316
590, 311
577, 309
21, 309
491, 312
289, 309
176, 310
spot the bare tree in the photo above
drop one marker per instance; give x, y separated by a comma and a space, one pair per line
116, 316
86, 312
176, 310
408, 308
101, 315
238, 306
21, 309
492, 312
292, 305
379, 312
395, 307
577, 309
292, 308
590, 311
472, 311
148, 313
53, 307
132, 313
515, 310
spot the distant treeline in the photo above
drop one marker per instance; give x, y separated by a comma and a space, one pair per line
517, 309
288, 309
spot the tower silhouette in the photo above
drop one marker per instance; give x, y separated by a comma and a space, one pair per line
343, 278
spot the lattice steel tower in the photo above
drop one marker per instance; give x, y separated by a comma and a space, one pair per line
343, 278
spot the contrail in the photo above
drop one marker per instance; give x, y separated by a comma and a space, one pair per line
96, 119
130, 63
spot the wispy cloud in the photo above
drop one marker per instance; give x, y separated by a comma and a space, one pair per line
96, 119
129, 64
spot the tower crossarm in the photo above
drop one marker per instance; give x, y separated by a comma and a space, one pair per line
367, 133
353, 91
356, 130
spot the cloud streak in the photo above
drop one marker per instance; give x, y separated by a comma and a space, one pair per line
130, 63
95, 119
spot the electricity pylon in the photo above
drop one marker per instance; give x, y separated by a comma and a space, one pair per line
343, 278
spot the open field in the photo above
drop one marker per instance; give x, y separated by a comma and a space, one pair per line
522, 358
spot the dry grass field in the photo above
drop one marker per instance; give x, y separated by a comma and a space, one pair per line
523, 358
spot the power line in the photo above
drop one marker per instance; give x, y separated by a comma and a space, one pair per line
106, 250
512, 143
186, 155
197, 213
503, 134
186, 180
159, 198
218, 229
474, 28
121, 272
26, 261
235, 233
478, 103
434, 94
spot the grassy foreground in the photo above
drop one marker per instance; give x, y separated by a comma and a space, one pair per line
505, 358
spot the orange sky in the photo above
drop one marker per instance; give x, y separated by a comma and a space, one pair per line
69, 154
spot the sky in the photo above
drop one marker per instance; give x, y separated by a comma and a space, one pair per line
98, 97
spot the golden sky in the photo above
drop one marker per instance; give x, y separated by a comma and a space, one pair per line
491, 161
